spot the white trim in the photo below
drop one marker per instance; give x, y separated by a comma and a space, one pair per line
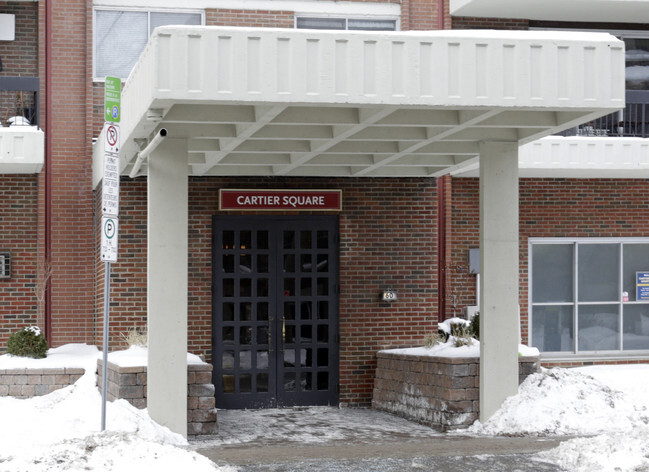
320, 7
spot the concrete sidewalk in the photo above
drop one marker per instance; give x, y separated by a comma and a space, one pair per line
359, 440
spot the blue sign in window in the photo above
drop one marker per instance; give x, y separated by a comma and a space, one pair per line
642, 285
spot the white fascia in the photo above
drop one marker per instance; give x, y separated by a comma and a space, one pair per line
303, 7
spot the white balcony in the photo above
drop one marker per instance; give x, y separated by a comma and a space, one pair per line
330, 103
22, 150
608, 11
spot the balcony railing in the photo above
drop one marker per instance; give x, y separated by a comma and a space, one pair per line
633, 121
19, 101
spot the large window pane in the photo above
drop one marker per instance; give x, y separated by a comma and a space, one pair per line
552, 273
598, 328
552, 328
635, 259
598, 272
120, 37
636, 327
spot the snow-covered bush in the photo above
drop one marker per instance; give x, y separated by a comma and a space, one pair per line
28, 342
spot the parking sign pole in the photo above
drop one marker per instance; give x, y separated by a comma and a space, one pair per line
104, 366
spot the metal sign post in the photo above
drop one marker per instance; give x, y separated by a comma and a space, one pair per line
110, 212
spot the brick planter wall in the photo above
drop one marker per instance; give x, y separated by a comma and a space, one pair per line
27, 383
130, 384
441, 392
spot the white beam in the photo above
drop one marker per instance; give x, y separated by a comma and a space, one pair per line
167, 285
499, 327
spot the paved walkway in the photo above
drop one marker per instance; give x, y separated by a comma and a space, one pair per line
359, 440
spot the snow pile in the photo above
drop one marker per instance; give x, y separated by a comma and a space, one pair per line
561, 402
448, 349
607, 405
60, 431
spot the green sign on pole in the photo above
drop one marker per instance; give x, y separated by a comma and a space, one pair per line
112, 99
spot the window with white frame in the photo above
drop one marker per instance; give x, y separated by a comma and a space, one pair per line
589, 296
120, 36
343, 23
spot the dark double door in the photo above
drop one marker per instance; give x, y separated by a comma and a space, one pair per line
275, 311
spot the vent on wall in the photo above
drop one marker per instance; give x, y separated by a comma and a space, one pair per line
5, 265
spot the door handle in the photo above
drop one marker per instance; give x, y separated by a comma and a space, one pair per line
270, 334
283, 332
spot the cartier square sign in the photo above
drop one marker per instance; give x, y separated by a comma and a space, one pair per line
280, 200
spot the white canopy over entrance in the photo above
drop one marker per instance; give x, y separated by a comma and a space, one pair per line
270, 102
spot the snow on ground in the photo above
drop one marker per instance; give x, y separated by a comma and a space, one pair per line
606, 405
61, 431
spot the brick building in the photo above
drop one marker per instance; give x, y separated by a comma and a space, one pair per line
307, 283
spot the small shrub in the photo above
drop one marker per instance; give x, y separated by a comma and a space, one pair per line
431, 340
28, 342
474, 327
136, 337
462, 339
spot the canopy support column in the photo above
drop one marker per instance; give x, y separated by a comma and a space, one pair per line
499, 281
167, 285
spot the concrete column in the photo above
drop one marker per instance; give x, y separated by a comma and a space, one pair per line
499, 279
167, 285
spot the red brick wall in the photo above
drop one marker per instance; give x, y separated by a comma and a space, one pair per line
596, 208
18, 234
424, 15
465, 22
71, 203
387, 241
250, 18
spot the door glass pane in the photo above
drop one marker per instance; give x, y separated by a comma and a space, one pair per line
262, 360
262, 240
306, 334
245, 263
228, 263
227, 360
289, 239
323, 239
305, 310
323, 333
323, 287
552, 273
262, 263
245, 311
289, 381
262, 311
245, 360
289, 263
228, 287
323, 380
552, 328
245, 239
228, 383
228, 334
599, 268
305, 381
289, 310
306, 286
598, 328
289, 333
289, 358
635, 259
323, 310
323, 357
262, 383
245, 287
323, 263
245, 335
228, 311
289, 287
262, 334
636, 327
305, 263
228, 239
245, 383
307, 357
305, 239
262, 287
